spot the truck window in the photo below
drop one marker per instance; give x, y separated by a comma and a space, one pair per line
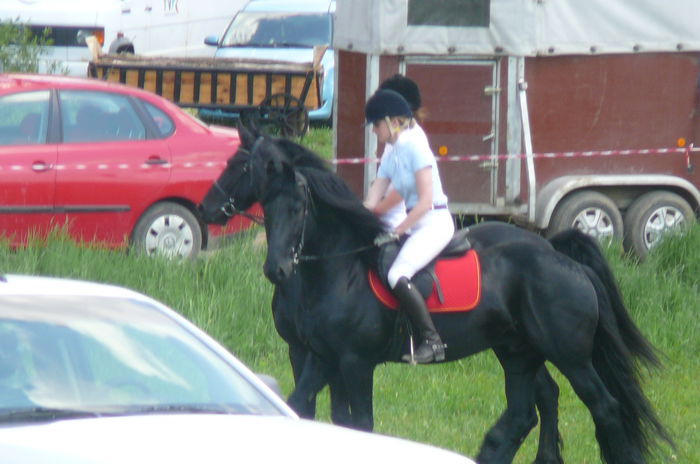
264, 29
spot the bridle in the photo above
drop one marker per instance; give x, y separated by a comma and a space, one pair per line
229, 207
297, 257
303, 183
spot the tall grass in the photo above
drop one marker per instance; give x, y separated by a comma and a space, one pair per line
451, 405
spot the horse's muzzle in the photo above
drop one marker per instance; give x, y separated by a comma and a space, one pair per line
218, 218
278, 271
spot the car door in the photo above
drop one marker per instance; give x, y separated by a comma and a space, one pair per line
27, 165
112, 165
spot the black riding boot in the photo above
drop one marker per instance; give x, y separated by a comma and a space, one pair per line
431, 348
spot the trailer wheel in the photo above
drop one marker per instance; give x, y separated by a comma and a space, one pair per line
653, 215
167, 229
286, 113
590, 212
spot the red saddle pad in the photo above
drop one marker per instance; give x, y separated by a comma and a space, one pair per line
460, 281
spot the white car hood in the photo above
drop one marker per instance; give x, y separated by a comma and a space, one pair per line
205, 439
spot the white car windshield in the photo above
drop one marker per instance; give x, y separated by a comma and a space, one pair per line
264, 29
67, 355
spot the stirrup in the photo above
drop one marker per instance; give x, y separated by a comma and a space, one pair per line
438, 352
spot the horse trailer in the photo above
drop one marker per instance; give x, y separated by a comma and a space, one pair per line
550, 114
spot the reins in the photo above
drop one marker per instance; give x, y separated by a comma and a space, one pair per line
302, 258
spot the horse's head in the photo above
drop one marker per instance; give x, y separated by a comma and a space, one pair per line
286, 203
239, 185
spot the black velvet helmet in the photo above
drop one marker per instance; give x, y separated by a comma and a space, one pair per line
385, 103
406, 87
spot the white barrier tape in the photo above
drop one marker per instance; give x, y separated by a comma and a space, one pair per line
567, 154
120, 166
222, 164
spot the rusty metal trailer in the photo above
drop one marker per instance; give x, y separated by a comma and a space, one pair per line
264, 93
549, 114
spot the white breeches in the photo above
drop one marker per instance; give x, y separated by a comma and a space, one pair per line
427, 239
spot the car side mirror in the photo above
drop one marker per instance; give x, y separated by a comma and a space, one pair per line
212, 40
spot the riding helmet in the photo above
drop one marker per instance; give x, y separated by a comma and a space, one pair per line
406, 87
385, 103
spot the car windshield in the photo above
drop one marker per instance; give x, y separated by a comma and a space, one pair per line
265, 29
69, 356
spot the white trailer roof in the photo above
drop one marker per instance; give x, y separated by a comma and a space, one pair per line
516, 27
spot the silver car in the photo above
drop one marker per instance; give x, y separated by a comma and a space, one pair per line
93, 373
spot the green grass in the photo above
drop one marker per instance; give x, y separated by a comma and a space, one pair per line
452, 405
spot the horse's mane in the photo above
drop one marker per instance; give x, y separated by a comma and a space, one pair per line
328, 188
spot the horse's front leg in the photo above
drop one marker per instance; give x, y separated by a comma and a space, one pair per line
358, 377
298, 355
340, 406
314, 376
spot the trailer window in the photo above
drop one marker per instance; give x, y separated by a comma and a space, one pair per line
459, 13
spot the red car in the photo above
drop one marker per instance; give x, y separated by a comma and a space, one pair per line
112, 164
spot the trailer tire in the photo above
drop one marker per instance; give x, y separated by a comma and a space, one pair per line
651, 216
590, 212
168, 229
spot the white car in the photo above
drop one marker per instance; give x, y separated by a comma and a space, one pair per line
92, 373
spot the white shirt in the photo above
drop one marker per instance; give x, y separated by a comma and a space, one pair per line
400, 162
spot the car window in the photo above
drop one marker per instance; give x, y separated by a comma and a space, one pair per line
89, 116
111, 355
265, 29
164, 124
24, 118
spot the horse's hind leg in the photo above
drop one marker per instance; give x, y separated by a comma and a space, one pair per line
605, 409
547, 400
505, 437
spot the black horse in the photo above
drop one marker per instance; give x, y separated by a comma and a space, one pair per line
239, 187
537, 305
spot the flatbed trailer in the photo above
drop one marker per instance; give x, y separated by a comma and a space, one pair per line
264, 93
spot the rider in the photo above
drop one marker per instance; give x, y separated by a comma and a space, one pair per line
411, 168
392, 208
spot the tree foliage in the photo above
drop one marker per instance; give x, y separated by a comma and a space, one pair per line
20, 50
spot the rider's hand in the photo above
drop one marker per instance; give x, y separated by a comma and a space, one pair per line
385, 238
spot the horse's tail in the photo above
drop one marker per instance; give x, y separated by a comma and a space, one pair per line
617, 369
585, 250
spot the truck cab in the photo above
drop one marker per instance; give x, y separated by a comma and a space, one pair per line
283, 31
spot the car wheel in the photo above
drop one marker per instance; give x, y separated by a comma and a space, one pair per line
651, 216
168, 229
590, 212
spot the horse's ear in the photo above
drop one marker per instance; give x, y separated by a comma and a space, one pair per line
247, 137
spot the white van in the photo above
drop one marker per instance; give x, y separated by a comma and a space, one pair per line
147, 27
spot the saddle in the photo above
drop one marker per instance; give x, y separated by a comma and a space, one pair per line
451, 282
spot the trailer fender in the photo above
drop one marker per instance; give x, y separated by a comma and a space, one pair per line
552, 194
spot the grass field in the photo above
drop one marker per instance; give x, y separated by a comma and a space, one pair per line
451, 405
